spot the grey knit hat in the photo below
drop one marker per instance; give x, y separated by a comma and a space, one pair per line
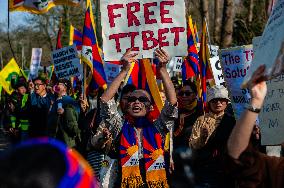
216, 92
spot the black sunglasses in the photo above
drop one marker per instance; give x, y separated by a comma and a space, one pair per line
140, 99
218, 99
185, 93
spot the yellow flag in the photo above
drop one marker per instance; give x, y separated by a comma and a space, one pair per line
152, 83
39, 7
71, 34
190, 25
6, 75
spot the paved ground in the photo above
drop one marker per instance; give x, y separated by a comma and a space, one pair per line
4, 142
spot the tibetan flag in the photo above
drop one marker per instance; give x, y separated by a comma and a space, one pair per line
142, 76
205, 68
39, 6
152, 84
75, 38
137, 75
58, 40
190, 66
9, 73
90, 49
196, 33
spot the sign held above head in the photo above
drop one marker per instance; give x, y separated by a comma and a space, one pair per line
270, 47
143, 26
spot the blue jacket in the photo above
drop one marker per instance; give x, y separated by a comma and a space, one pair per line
39, 109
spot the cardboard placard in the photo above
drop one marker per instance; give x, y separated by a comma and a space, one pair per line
270, 49
35, 63
235, 64
271, 117
111, 71
217, 70
143, 26
66, 62
178, 61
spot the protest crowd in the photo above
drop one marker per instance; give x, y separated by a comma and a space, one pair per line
145, 127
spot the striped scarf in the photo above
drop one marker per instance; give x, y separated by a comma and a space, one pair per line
153, 155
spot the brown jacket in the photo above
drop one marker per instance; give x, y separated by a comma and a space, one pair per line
255, 169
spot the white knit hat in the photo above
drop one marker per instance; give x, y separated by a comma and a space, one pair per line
216, 92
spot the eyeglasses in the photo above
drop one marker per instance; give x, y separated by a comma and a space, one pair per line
38, 85
64, 84
140, 99
185, 93
222, 100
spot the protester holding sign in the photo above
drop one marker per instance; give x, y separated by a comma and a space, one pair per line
249, 167
138, 141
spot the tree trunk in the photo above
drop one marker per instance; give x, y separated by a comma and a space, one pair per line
227, 23
66, 26
205, 7
250, 15
46, 27
269, 6
217, 22
97, 15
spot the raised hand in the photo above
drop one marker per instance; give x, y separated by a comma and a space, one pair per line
31, 86
162, 56
128, 58
83, 103
106, 136
257, 86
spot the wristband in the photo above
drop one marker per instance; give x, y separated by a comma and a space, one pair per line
252, 108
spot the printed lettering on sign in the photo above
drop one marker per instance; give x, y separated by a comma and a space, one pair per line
143, 26
217, 70
177, 64
271, 118
66, 63
235, 63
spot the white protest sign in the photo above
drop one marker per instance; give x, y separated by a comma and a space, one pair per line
35, 62
270, 49
177, 64
255, 42
213, 48
66, 63
143, 26
236, 63
217, 70
271, 117
111, 71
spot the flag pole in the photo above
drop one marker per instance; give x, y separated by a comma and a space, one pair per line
1, 60
9, 41
207, 31
84, 80
23, 55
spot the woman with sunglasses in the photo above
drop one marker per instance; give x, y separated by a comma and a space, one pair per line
136, 139
208, 140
